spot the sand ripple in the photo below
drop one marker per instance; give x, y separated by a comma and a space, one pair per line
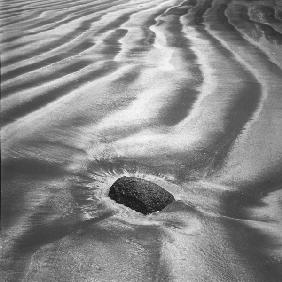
183, 93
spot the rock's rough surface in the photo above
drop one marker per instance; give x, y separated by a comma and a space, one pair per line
140, 195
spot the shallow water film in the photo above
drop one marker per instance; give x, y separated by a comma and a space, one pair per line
185, 94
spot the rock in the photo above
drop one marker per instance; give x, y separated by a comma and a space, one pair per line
140, 195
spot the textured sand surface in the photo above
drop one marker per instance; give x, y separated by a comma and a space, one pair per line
187, 94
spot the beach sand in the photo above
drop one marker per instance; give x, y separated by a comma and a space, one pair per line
186, 94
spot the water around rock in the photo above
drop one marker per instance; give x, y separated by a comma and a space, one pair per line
140, 195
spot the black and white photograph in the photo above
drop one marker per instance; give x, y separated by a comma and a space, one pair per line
141, 140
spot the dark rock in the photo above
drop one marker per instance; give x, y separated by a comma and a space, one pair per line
140, 195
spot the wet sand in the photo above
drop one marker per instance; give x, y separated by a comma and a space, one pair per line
186, 94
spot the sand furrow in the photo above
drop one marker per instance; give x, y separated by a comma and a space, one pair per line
72, 52
44, 97
78, 32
